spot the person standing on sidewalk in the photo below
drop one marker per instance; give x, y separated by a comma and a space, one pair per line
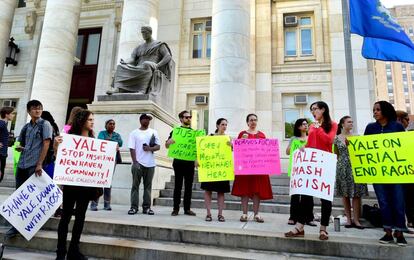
142, 143
34, 140
7, 114
110, 135
183, 171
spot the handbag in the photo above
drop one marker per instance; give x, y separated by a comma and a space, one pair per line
372, 214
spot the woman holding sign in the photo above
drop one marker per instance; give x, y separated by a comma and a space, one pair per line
220, 187
256, 187
321, 136
75, 195
390, 196
344, 184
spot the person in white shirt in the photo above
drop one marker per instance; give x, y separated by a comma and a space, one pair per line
142, 143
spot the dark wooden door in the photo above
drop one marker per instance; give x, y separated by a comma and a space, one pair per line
82, 88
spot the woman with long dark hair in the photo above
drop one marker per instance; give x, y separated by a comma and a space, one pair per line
220, 187
344, 184
299, 139
82, 125
255, 187
390, 196
321, 136
49, 163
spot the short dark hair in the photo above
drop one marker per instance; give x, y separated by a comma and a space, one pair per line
298, 123
33, 103
249, 115
6, 111
387, 110
181, 114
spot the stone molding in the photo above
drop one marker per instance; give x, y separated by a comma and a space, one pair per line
30, 24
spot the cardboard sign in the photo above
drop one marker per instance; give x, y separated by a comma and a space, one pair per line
84, 161
382, 158
32, 204
215, 159
256, 157
184, 147
313, 173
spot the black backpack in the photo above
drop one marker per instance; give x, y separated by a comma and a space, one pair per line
372, 214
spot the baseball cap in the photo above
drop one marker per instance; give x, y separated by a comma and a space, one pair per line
145, 116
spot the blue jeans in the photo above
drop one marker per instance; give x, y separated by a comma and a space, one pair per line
392, 204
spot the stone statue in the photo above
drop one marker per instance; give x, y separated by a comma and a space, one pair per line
147, 69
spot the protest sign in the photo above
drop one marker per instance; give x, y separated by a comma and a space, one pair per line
313, 173
184, 147
215, 159
382, 158
85, 161
32, 204
256, 157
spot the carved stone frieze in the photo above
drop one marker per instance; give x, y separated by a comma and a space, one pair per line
30, 24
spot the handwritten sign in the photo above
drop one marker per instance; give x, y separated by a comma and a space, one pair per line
256, 156
84, 161
215, 159
32, 204
382, 158
184, 147
313, 173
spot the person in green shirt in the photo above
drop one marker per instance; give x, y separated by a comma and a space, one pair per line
300, 132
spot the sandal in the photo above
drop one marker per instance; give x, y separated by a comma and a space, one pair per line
298, 233
323, 235
258, 219
208, 218
132, 211
243, 218
220, 218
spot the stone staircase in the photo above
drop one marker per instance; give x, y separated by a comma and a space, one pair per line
279, 204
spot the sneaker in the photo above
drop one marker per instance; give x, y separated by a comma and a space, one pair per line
386, 239
400, 238
12, 232
107, 207
76, 256
148, 211
174, 212
94, 208
189, 213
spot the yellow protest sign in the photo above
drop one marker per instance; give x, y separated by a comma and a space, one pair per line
382, 158
215, 159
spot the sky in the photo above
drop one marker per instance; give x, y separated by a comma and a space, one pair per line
391, 3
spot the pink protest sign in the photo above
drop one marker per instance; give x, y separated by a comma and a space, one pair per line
256, 157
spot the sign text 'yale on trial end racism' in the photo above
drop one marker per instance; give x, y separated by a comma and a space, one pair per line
313, 173
184, 146
32, 204
382, 158
256, 156
215, 159
85, 161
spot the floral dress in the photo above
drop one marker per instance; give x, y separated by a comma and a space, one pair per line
345, 185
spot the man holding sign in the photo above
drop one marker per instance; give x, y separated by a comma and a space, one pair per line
182, 147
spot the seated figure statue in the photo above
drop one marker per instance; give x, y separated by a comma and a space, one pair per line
149, 65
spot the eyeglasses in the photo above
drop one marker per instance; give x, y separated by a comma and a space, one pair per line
314, 109
187, 117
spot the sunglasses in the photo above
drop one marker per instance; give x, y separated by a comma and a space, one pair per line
187, 117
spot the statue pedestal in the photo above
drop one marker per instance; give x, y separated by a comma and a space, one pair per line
125, 109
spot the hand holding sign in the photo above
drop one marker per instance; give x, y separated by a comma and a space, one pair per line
183, 143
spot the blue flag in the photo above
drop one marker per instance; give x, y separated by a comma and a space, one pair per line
384, 38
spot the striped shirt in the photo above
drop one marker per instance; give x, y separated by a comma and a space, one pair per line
35, 134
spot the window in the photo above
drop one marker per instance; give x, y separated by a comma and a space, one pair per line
390, 86
21, 3
201, 38
299, 38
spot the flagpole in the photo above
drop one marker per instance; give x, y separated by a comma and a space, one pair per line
349, 63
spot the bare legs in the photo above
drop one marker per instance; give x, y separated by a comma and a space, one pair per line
207, 201
356, 206
220, 202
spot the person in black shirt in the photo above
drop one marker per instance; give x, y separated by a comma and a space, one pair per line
7, 114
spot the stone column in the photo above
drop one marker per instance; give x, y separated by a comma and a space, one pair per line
7, 8
53, 74
135, 14
230, 64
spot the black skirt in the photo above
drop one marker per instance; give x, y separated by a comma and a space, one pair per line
217, 186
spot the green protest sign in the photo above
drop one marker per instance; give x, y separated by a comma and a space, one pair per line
382, 158
184, 147
215, 159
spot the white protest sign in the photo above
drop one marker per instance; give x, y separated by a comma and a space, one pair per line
313, 173
32, 204
85, 161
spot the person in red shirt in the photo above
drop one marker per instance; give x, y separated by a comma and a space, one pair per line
255, 187
321, 136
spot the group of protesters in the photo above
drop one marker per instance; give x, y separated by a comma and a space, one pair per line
40, 137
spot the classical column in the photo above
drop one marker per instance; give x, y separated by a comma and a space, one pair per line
53, 74
6, 20
230, 64
135, 14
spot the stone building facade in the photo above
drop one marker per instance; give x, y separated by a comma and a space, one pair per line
394, 81
271, 57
